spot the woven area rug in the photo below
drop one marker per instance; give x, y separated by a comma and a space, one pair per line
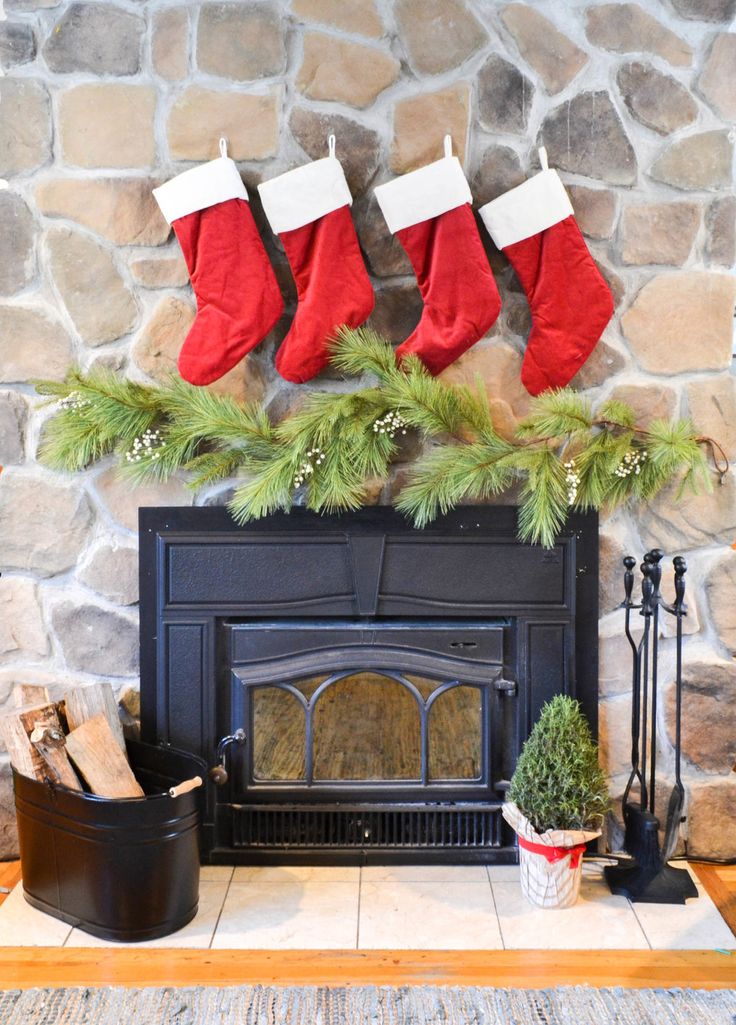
372, 1005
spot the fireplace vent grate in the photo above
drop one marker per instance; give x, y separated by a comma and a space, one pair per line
389, 827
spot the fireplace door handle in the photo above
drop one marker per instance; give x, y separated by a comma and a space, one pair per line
507, 687
218, 774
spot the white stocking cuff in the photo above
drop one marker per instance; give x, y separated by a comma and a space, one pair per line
304, 194
203, 186
423, 194
531, 207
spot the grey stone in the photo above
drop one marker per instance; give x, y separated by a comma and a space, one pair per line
96, 640
439, 34
17, 44
96, 37
22, 630
112, 571
701, 161
397, 312
99, 302
13, 418
691, 521
32, 345
720, 590
712, 405
25, 125
505, 96
240, 41
706, 10
610, 587
720, 226
603, 363
708, 738
657, 100
44, 524
358, 147
499, 170
17, 235
386, 256
585, 135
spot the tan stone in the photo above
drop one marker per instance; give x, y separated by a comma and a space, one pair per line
649, 401
708, 737
22, 631
421, 122
683, 321
615, 657
720, 590
701, 161
658, 232
438, 34
104, 124
499, 366
32, 345
706, 10
712, 406
200, 116
44, 524
157, 349
25, 125
555, 58
100, 304
595, 210
170, 43
720, 225
17, 243
122, 210
603, 363
111, 569
614, 734
610, 571
13, 423
716, 82
711, 823
691, 521
240, 41
359, 16
627, 28
160, 272
122, 501
334, 69
657, 100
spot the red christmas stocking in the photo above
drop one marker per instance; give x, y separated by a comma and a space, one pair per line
429, 211
570, 302
238, 298
309, 209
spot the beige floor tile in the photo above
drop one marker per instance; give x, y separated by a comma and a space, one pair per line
428, 916
424, 873
215, 873
503, 873
599, 921
197, 934
312, 914
299, 873
696, 925
24, 926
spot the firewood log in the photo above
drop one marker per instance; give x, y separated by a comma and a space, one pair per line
50, 743
16, 727
84, 703
95, 751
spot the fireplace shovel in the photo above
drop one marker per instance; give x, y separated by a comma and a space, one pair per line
677, 797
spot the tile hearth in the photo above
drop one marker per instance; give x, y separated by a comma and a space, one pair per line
398, 908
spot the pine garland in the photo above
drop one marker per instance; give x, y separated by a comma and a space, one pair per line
565, 455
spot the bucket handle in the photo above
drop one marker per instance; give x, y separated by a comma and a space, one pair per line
186, 786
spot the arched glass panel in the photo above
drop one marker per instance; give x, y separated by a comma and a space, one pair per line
279, 735
455, 739
366, 727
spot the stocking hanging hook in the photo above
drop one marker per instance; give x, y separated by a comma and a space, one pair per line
543, 158
223, 146
448, 145
331, 145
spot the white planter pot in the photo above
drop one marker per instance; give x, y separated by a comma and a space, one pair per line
550, 877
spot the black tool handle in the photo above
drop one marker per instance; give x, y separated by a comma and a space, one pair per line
654, 558
629, 563
647, 589
680, 570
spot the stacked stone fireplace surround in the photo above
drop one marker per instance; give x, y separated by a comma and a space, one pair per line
101, 101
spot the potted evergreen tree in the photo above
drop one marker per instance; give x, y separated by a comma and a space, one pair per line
556, 803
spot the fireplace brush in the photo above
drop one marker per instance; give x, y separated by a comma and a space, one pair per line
649, 877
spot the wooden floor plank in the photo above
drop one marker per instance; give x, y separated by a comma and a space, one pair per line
24, 968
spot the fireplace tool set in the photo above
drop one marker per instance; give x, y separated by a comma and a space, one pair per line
649, 877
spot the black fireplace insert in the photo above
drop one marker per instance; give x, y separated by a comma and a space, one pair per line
361, 688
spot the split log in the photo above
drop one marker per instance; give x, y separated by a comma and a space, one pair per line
29, 694
50, 743
85, 703
94, 750
16, 727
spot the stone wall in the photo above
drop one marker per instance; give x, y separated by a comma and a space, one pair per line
102, 100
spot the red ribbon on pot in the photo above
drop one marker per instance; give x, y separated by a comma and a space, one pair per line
553, 854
